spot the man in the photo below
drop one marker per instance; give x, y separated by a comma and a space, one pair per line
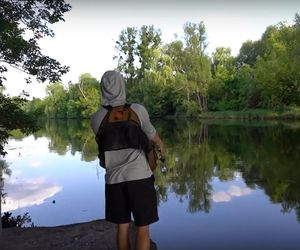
129, 181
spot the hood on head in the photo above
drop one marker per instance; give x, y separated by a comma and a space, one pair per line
112, 87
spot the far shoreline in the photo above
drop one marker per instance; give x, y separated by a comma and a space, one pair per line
290, 114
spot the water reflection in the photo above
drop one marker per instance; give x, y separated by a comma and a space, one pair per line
25, 192
264, 155
71, 135
228, 195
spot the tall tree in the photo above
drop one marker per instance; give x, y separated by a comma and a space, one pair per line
195, 37
198, 69
136, 51
149, 42
126, 48
22, 24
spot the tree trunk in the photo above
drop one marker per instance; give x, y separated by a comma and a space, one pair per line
81, 91
204, 103
199, 101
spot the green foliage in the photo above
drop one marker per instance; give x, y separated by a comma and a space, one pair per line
249, 52
150, 40
179, 78
56, 101
277, 68
13, 117
168, 79
78, 100
127, 50
89, 98
35, 107
22, 24
265, 74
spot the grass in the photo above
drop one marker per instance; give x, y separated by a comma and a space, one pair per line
290, 113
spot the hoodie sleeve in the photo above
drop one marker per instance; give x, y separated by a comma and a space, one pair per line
96, 119
146, 124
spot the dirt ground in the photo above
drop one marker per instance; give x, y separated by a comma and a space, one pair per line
93, 235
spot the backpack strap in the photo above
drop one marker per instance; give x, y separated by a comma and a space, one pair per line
116, 113
105, 119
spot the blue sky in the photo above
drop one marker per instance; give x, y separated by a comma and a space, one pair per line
85, 41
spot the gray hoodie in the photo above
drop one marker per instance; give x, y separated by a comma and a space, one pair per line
125, 164
112, 89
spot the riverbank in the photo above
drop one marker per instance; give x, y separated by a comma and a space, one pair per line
291, 113
93, 235
97, 234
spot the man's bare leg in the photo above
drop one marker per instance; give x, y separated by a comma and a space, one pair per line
123, 242
142, 240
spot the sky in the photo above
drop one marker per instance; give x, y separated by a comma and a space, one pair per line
86, 40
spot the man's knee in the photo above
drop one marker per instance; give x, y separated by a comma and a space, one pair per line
142, 229
123, 227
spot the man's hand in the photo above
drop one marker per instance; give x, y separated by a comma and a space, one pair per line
158, 144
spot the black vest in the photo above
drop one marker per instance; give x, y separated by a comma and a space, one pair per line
120, 134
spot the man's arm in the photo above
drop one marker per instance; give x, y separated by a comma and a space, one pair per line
158, 143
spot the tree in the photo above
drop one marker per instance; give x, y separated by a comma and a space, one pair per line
198, 69
136, 51
223, 89
126, 48
13, 117
150, 40
35, 107
89, 94
56, 101
195, 37
22, 24
277, 68
248, 53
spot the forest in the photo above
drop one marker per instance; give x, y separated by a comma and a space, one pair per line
180, 78
175, 79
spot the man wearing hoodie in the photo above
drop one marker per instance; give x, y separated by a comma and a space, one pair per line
129, 181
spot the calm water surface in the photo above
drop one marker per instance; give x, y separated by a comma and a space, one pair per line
225, 185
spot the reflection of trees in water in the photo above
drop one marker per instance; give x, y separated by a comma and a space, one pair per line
265, 155
4, 170
70, 135
191, 165
274, 166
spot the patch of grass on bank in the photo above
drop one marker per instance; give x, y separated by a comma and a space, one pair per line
290, 113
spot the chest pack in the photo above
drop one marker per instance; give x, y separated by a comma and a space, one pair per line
121, 129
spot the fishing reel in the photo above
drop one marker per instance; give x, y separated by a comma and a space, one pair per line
162, 165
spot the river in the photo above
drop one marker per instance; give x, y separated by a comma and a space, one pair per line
224, 185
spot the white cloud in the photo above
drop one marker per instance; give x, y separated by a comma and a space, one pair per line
233, 191
27, 192
221, 197
238, 191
